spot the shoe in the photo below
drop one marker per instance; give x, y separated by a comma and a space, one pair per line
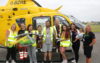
13, 61
36, 50
73, 61
49, 61
45, 62
7, 61
64, 61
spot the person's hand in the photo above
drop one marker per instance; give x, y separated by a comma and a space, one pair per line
90, 44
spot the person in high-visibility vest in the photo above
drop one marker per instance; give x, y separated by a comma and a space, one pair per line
65, 42
10, 39
22, 49
32, 48
57, 29
47, 41
39, 38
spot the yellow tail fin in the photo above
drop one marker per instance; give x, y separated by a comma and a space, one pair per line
58, 8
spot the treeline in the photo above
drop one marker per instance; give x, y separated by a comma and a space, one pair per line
94, 23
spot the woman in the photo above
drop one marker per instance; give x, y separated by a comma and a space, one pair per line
88, 42
65, 42
11, 49
75, 44
32, 48
22, 49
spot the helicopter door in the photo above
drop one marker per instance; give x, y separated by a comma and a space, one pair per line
62, 20
20, 20
40, 21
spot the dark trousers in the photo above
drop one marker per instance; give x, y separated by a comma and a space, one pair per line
76, 47
11, 52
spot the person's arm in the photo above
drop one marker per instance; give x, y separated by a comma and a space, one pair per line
76, 39
93, 40
55, 34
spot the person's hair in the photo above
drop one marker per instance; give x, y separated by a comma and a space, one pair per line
28, 27
49, 22
81, 29
86, 27
21, 27
75, 27
67, 31
12, 26
39, 26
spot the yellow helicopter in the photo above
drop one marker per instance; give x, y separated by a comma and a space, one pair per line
28, 12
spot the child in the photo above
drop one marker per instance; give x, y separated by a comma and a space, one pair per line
79, 36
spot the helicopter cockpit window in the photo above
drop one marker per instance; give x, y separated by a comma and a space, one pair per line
20, 20
40, 21
62, 20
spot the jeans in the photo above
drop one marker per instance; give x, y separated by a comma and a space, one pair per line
32, 54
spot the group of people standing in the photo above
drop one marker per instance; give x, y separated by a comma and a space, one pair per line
61, 35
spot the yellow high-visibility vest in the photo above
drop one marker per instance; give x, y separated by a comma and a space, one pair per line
65, 43
54, 27
34, 32
33, 36
44, 32
11, 38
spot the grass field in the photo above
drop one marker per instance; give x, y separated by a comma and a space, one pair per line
95, 28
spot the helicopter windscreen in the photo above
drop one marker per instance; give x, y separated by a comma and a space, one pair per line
62, 20
40, 21
77, 22
20, 20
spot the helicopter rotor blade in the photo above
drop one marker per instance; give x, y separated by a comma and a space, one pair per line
36, 3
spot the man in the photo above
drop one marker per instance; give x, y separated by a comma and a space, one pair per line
57, 29
47, 41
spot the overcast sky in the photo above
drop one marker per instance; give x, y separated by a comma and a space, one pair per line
84, 10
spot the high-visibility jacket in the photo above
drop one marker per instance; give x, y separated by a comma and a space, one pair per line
65, 43
33, 36
54, 27
11, 38
44, 32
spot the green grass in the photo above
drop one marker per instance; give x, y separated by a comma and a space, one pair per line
95, 28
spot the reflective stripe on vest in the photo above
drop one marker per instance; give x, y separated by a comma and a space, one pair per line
33, 36
66, 43
56, 29
11, 37
44, 34
26, 31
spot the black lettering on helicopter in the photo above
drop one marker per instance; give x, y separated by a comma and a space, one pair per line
18, 2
